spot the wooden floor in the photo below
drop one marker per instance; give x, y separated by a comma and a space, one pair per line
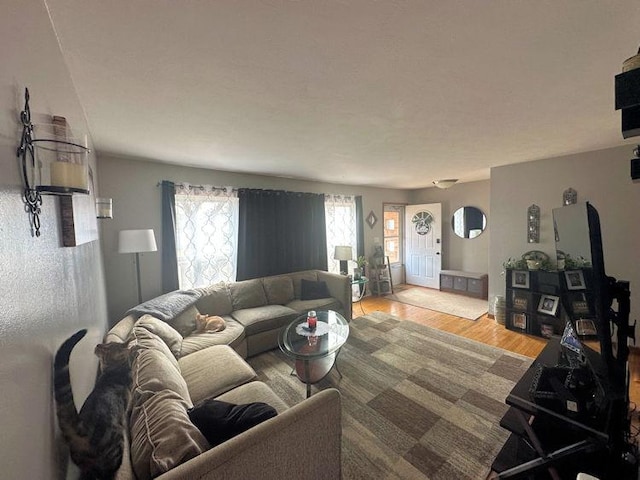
486, 330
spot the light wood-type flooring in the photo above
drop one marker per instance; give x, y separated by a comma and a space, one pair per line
486, 330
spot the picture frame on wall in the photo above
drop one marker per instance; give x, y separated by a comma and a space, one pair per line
548, 304
519, 320
520, 278
575, 280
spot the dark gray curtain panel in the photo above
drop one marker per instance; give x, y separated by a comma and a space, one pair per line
169, 254
280, 232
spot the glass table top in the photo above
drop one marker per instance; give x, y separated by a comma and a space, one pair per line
299, 342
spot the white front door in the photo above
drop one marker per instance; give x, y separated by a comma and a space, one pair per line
423, 244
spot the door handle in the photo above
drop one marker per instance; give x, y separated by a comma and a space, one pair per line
437, 253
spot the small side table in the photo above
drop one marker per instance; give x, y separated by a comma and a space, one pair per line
362, 290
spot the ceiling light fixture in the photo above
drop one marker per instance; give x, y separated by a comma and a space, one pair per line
447, 183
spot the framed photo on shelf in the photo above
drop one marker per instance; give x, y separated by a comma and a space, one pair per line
548, 304
579, 304
519, 320
546, 330
520, 278
586, 327
520, 300
575, 280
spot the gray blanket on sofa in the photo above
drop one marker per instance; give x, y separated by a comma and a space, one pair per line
166, 307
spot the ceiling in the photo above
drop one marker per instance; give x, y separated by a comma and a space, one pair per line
383, 93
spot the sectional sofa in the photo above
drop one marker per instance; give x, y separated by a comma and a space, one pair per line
176, 368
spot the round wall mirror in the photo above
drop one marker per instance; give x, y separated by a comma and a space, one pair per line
468, 222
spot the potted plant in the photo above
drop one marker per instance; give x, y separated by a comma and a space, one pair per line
361, 262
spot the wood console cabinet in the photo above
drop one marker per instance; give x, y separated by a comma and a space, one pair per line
465, 283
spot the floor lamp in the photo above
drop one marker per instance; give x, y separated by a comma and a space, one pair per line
344, 253
137, 241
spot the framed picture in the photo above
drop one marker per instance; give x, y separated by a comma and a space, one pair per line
520, 278
546, 330
579, 304
585, 326
548, 304
520, 300
519, 320
575, 280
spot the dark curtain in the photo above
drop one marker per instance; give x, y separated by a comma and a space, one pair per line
359, 228
169, 255
280, 232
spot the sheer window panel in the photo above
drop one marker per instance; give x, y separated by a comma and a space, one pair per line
340, 213
206, 234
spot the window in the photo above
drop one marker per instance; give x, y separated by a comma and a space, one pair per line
340, 217
392, 231
206, 235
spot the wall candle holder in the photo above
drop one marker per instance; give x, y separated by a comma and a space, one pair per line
64, 149
533, 224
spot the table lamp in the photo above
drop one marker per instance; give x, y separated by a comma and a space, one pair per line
344, 253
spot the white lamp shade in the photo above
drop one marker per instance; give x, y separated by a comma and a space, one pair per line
136, 241
343, 252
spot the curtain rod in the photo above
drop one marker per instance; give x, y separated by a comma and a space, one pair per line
235, 189
213, 187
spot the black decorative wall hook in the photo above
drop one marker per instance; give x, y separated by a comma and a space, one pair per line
31, 196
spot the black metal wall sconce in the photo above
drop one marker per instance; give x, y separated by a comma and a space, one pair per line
533, 224
65, 173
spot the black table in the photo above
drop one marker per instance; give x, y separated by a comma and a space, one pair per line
555, 433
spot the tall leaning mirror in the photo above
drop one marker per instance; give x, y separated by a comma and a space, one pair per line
468, 222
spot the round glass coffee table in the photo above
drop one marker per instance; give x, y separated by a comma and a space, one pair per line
315, 351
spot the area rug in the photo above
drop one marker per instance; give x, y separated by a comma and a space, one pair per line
417, 403
458, 305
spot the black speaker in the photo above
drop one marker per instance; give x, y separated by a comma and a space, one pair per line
635, 168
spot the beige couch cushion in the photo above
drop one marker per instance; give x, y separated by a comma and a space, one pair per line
269, 317
215, 300
166, 332
162, 436
254, 392
153, 372
147, 340
247, 294
279, 290
232, 335
214, 371
121, 331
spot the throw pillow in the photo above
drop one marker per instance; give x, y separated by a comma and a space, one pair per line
279, 290
219, 421
166, 332
185, 323
310, 290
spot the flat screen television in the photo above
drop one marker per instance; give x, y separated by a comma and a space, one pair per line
588, 294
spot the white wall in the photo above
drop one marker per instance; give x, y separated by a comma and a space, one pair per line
132, 184
467, 254
601, 178
48, 291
